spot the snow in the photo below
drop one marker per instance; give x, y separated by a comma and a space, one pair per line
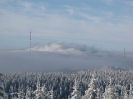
85, 84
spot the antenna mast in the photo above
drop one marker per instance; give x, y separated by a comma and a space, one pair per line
124, 53
30, 39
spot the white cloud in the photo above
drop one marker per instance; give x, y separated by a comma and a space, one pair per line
91, 18
108, 14
71, 11
42, 7
128, 2
27, 5
53, 25
108, 1
42, 61
5, 1
58, 48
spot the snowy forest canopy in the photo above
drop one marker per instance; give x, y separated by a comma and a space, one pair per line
83, 84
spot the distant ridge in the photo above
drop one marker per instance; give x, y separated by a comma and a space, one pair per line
115, 68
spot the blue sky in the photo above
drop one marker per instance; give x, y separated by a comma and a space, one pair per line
105, 24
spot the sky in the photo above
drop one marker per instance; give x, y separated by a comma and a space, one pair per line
66, 34
104, 24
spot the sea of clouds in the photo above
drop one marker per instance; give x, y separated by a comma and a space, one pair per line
62, 56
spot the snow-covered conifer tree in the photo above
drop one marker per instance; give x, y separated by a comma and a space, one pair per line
111, 92
3, 95
91, 93
41, 92
28, 93
51, 94
76, 94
